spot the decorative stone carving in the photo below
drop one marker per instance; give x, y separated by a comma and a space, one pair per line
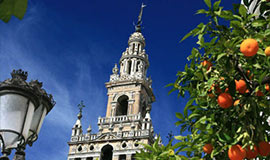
115, 69
136, 37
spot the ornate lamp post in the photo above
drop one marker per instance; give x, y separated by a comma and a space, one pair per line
23, 107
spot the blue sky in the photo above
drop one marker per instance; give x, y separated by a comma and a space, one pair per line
71, 46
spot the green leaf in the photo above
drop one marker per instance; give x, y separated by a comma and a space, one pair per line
262, 76
236, 24
19, 8
191, 116
179, 115
226, 15
237, 17
216, 5
220, 139
258, 23
228, 138
201, 120
199, 75
257, 65
6, 9
181, 138
186, 36
220, 56
169, 85
189, 103
178, 123
172, 90
242, 10
202, 11
208, 3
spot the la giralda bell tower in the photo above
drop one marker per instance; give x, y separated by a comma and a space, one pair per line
127, 122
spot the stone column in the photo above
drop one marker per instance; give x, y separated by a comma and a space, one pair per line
130, 106
115, 157
125, 66
121, 68
132, 67
136, 105
109, 105
129, 157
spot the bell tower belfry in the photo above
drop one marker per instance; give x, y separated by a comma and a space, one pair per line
129, 89
128, 121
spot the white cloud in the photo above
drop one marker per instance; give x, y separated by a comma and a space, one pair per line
17, 50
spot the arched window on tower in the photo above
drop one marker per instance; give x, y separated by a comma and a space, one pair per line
129, 66
143, 109
139, 48
106, 152
137, 67
122, 106
133, 47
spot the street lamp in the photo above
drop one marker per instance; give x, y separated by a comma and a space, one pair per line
23, 107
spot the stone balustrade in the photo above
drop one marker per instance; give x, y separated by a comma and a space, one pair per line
124, 118
116, 135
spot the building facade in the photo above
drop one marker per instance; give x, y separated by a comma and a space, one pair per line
127, 122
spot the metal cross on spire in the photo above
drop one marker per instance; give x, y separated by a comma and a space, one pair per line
139, 23
81, 106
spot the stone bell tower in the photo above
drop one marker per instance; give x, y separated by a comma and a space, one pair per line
127, 122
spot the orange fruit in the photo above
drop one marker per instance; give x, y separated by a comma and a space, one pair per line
267, 87
207, 64
222, 78
241, 86
208, 148
264, 148
236, 102
227, 89
236, 152
267, 51
247, 91
225, 100
252, 153
249, 47
259, 93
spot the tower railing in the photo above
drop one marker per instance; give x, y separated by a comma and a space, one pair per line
122, 118
118, 135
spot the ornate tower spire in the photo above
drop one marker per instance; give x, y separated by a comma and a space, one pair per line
80, 106
139, 23
133, 69
134, 61
77, 128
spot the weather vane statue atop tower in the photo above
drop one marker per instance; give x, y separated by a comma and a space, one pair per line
139, 23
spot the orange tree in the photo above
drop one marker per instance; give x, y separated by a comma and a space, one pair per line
226, 81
